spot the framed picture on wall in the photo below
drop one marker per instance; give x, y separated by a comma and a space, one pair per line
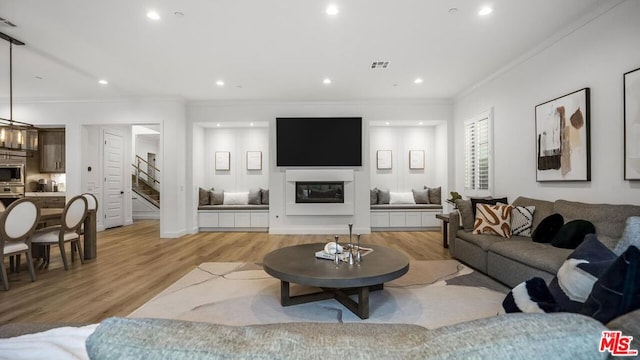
254, 160
383, 159
223, 159
632, 125
563, 138
416, 159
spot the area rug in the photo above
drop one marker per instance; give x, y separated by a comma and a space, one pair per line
243, 294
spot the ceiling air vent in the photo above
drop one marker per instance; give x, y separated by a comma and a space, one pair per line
5, 22
379, 64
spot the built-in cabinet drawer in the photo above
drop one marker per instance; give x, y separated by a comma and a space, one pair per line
429, 219
396, 219
404, 219
260, 219
380, 219
229, 220
207, 219
412, 219
243, 220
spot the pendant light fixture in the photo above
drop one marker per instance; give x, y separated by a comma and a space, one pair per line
16, 135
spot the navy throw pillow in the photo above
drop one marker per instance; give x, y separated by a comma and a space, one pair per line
572, 234
617, 290
573, 283
531, 296
548, 228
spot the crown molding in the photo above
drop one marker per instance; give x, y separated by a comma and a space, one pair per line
559, 36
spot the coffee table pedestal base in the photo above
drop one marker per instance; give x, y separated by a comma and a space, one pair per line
360, 308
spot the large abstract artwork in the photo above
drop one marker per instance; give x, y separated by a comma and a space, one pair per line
562, 138
632, 125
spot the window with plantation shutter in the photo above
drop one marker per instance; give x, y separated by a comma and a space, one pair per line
477, 153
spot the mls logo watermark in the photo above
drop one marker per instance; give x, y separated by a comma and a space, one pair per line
617, 344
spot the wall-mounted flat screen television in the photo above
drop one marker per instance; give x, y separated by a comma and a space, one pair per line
335, 141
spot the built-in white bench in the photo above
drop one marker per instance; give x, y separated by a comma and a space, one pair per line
233, 217
405, 217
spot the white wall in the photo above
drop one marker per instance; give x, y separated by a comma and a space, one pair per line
400, 140
200, 113
73, 115
595, 56
237, 141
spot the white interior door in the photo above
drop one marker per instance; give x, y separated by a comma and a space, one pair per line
113, 180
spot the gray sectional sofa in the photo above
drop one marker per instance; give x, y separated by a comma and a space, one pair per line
512, 261
513, 336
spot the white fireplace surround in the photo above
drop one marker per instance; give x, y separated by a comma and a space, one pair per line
344, 175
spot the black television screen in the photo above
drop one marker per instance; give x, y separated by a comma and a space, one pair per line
319, 141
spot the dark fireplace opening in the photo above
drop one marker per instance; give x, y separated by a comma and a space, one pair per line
319, 192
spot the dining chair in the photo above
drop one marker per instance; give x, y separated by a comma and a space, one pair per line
92, 205
68, 231
17, 225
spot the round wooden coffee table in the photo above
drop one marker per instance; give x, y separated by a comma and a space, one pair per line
298, 264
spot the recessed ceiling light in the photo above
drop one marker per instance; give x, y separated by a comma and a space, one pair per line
103, 82
332, 10
420, 123
153, 15
485, 11
250, 124
220, 83
386, 123
217, 125
417, 81
326, 81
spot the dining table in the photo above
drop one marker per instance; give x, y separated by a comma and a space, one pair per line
49, 215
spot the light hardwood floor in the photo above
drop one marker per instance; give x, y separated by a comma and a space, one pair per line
134, 264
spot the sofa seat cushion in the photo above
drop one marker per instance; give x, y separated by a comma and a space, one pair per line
233, 207
483, 241
541, 256
406, 207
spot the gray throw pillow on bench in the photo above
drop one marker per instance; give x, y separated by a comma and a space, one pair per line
255, 196
216, 197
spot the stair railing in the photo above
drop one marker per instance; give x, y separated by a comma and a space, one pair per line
151, 178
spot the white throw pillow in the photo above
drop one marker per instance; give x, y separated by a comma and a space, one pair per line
401, 198
236, 198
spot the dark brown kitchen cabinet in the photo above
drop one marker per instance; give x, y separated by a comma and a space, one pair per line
51, 145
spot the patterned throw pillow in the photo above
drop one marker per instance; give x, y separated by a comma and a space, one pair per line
617, 290
493, 220
531, 296
522, 220
573, 283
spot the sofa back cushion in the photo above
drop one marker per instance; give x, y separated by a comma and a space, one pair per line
609, 220
543, 208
